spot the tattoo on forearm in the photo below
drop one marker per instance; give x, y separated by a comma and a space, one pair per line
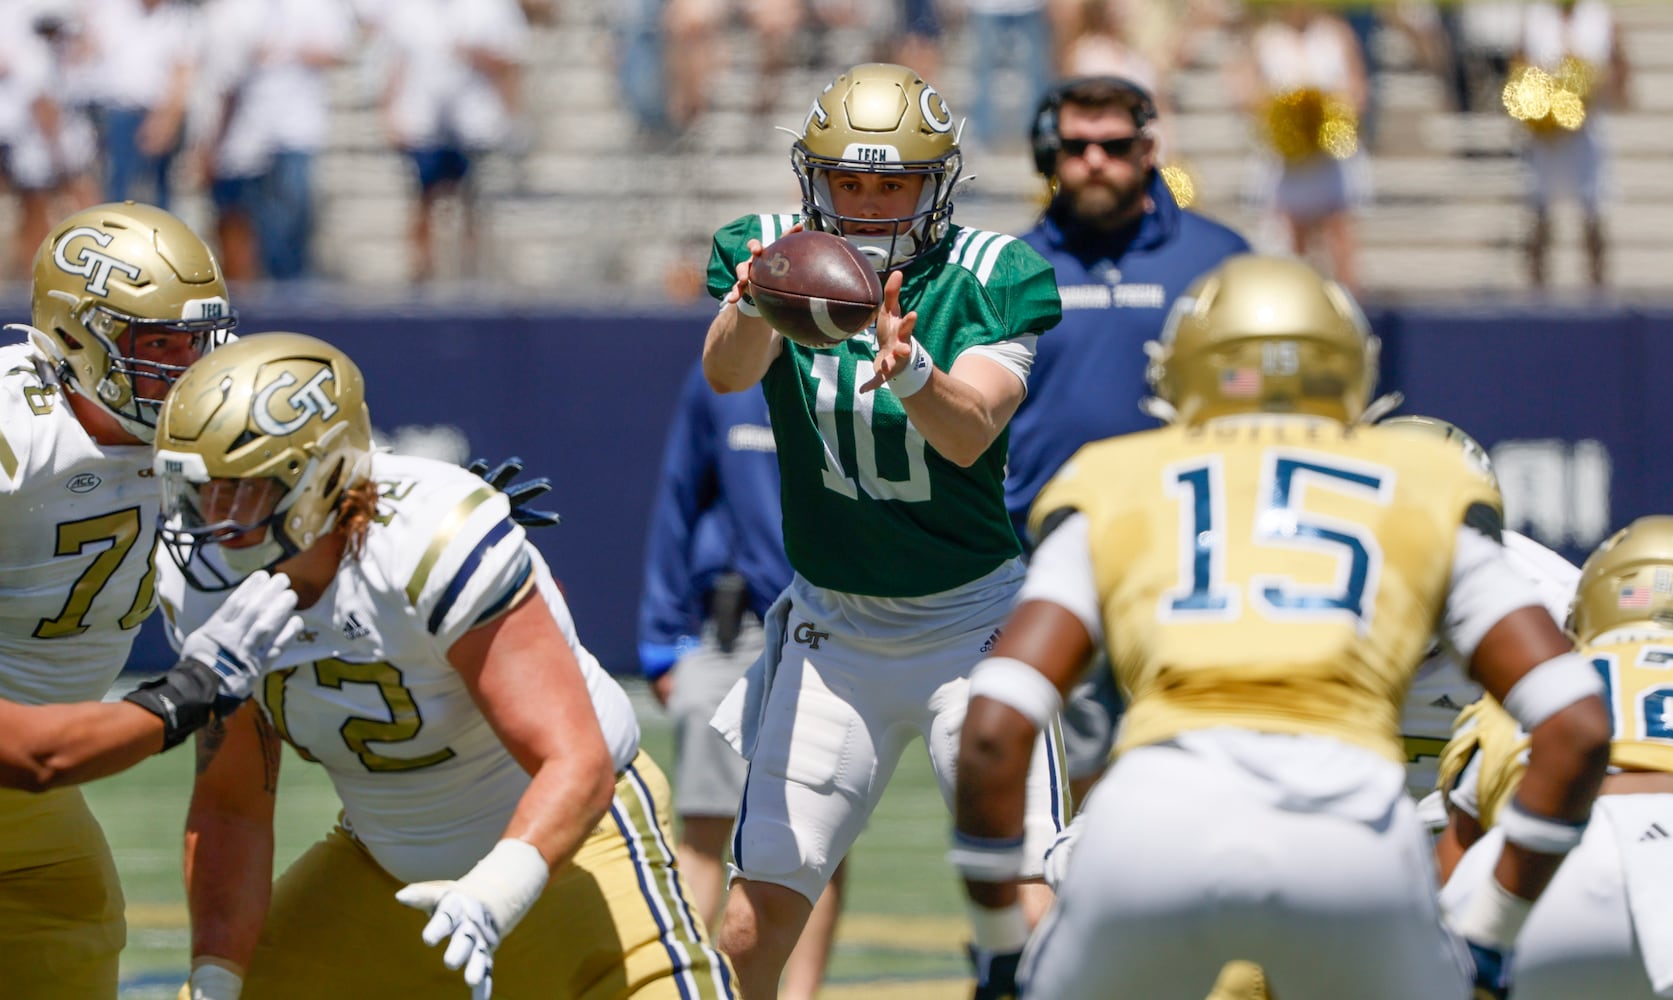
270, 749
209, 742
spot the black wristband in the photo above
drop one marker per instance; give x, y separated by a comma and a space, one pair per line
184, 698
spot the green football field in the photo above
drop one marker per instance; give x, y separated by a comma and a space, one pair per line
900, 935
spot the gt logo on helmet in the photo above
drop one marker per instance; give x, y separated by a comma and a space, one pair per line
306, 401
934, 109
96, 267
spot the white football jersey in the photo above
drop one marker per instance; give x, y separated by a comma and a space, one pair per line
367, 690
79, 528
1443, 687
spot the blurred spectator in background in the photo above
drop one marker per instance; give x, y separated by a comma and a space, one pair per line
232, 153
1570, 65
1011, 55
1304, 83
1096, 42
697, 36
1483, 36
146, 60
454, 92
636, 27
71, 140
918, 42
714, 563
28, 130
288, 89
267, 68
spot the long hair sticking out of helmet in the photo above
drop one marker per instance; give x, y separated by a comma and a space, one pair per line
880, 118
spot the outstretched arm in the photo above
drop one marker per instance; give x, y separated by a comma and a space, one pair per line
960, 412
49, 746
525, 679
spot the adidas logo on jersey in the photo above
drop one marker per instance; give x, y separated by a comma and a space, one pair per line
1655, 832
992, 641
1444, 701
353, 629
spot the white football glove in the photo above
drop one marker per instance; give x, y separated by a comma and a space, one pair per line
245, 634
480, 909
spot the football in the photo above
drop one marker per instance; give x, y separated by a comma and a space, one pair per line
815, 288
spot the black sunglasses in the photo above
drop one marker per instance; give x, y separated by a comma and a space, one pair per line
1111, 147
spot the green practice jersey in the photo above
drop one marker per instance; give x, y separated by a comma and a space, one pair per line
869, 507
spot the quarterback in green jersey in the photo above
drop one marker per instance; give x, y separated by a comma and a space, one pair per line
891, 449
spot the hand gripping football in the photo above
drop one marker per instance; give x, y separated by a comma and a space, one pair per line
815, 288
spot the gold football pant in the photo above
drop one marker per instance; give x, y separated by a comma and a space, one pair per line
61, 924
614, 923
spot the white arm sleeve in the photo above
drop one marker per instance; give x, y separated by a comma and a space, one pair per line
1015, 355
1485, 588
1060, 571
1553, 576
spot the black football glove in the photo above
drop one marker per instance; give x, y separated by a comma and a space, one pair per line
520, 494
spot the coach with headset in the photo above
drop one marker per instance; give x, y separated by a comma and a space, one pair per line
1123, 250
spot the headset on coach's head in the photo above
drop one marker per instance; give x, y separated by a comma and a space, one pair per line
1043, 134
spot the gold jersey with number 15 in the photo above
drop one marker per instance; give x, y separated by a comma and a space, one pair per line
1274, 572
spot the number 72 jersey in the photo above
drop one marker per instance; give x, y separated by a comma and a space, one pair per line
1275, 573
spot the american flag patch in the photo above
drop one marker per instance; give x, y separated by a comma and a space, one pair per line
1240, 383
1633, 597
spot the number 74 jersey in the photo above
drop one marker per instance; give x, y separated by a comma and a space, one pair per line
1275, 573
78, 522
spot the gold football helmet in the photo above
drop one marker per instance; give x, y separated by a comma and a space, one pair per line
1452, 433
1263, 334
256, 446
105, 278
1628, 580
880, 118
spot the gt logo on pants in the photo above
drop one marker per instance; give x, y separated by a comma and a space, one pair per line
807, 635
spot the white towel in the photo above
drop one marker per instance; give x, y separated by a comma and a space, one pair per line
1643, 828
738, 718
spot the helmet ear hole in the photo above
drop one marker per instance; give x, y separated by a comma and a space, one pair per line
333, 481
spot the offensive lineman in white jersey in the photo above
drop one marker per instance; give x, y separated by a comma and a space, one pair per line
1603, 928
1442, 687
124, 297
489, 769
